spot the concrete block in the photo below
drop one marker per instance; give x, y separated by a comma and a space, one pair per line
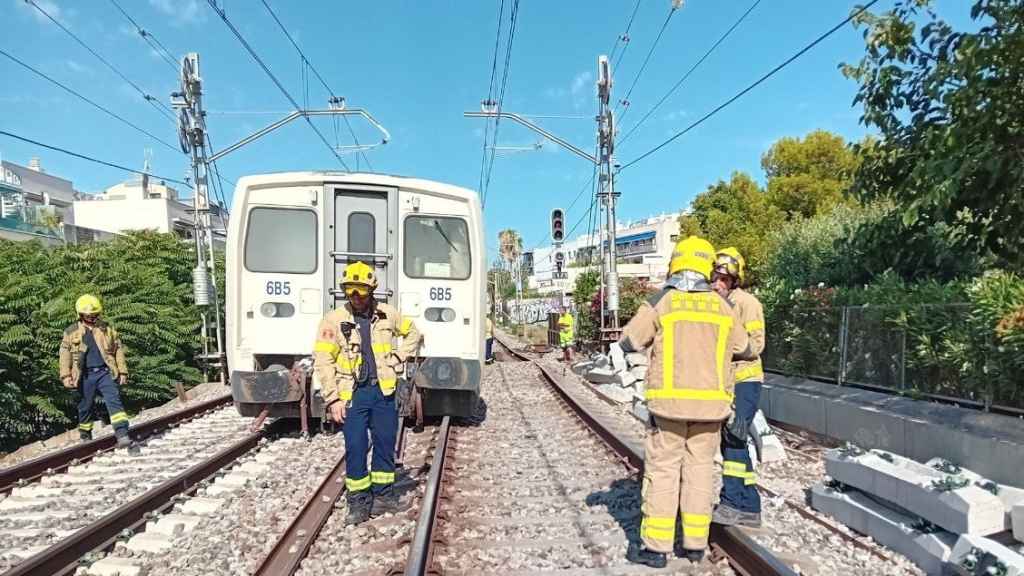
865, 426
1017, 520
583, 367
799, 409
149, 542
113, 566
771, 445
201, 506
173, 524
25, 553
616, 393
602, 376
970, 554
1010, 496
909, 485
640, 411
625, 379
600, 361
636, 359
887, 526
639, 372
617, 357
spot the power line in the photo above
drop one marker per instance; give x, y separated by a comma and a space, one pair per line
87, 100
756, 83
501, 93
317, 74
490, 94
156, 103
252, 53
689, 72
150, 39
90, 158
647, 59
624, 37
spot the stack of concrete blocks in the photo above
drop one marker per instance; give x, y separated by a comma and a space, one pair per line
936, 514
617, 375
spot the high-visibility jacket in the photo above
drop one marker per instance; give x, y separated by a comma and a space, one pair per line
693, 338
752, 316
565, 332
490, 328
73, 350
337, 353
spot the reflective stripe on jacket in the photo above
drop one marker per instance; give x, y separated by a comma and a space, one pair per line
752, 316
693, 337
337, 357
73, 349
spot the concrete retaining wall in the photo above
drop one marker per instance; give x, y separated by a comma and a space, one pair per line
990, 444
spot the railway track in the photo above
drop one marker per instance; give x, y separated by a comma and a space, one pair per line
77, 507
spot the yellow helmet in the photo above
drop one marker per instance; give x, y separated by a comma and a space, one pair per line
359, 274
694, 254
88, 304
733, 262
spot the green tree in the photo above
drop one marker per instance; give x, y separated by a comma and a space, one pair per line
950, 109
808, 176
588, 319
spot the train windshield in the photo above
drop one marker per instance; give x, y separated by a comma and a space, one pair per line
281, 240
437, 247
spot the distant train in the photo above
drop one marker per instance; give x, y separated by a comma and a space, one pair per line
290, 238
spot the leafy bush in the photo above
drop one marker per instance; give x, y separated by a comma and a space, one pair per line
144, 281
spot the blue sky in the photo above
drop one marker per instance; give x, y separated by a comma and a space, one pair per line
416, 66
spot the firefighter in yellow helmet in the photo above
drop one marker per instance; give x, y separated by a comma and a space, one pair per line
740, 502
694, 334
358, 366
92, 361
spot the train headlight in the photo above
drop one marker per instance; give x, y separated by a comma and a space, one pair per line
277, 309
439, 314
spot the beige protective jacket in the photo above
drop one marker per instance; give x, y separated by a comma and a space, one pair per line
73, 349
752, 316
693, 338
337, 357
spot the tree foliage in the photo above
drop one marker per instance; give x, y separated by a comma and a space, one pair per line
144, 281
950, 109
809, 176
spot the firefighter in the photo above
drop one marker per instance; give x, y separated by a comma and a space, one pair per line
489, 356
740, 502
565, 333
358, 368
694, 334
92, 361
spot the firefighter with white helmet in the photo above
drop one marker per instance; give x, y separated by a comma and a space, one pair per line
358, 367
740, 502
694, 334
92, 361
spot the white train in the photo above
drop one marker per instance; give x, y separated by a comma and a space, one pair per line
291, 236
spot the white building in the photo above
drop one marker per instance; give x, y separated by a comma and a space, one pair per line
35, 205
644, 250
139, 204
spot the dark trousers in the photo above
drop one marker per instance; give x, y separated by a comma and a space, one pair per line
100, 381
739, 483
490, 345
371, 418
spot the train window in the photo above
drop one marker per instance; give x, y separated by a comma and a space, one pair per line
437, 247
362, 233
281, 240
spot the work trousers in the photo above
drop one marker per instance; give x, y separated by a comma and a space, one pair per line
739, 481
679, 469
490, 347
371, 417
99, 380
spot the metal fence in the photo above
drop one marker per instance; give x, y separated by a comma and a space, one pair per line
939, 351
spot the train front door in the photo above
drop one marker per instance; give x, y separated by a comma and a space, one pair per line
362, 232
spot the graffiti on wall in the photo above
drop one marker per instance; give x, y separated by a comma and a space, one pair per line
533, 311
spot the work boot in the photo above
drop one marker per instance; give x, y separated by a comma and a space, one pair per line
124, 440
359, 504
638, 554
384, 503
85, 435
694, 556
726, 515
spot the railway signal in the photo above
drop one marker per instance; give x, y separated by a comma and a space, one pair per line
557, 225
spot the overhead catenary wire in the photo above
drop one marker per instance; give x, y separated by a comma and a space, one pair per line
695, 65
155, 102
252, 53
90, 158
490, 95
636, 78
149, 38
755, 84
318, 76
501, 93
624, 38
87, 100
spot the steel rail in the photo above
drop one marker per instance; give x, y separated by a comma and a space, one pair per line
743, 553
64, 555
421, 549
293, 546
58, 460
